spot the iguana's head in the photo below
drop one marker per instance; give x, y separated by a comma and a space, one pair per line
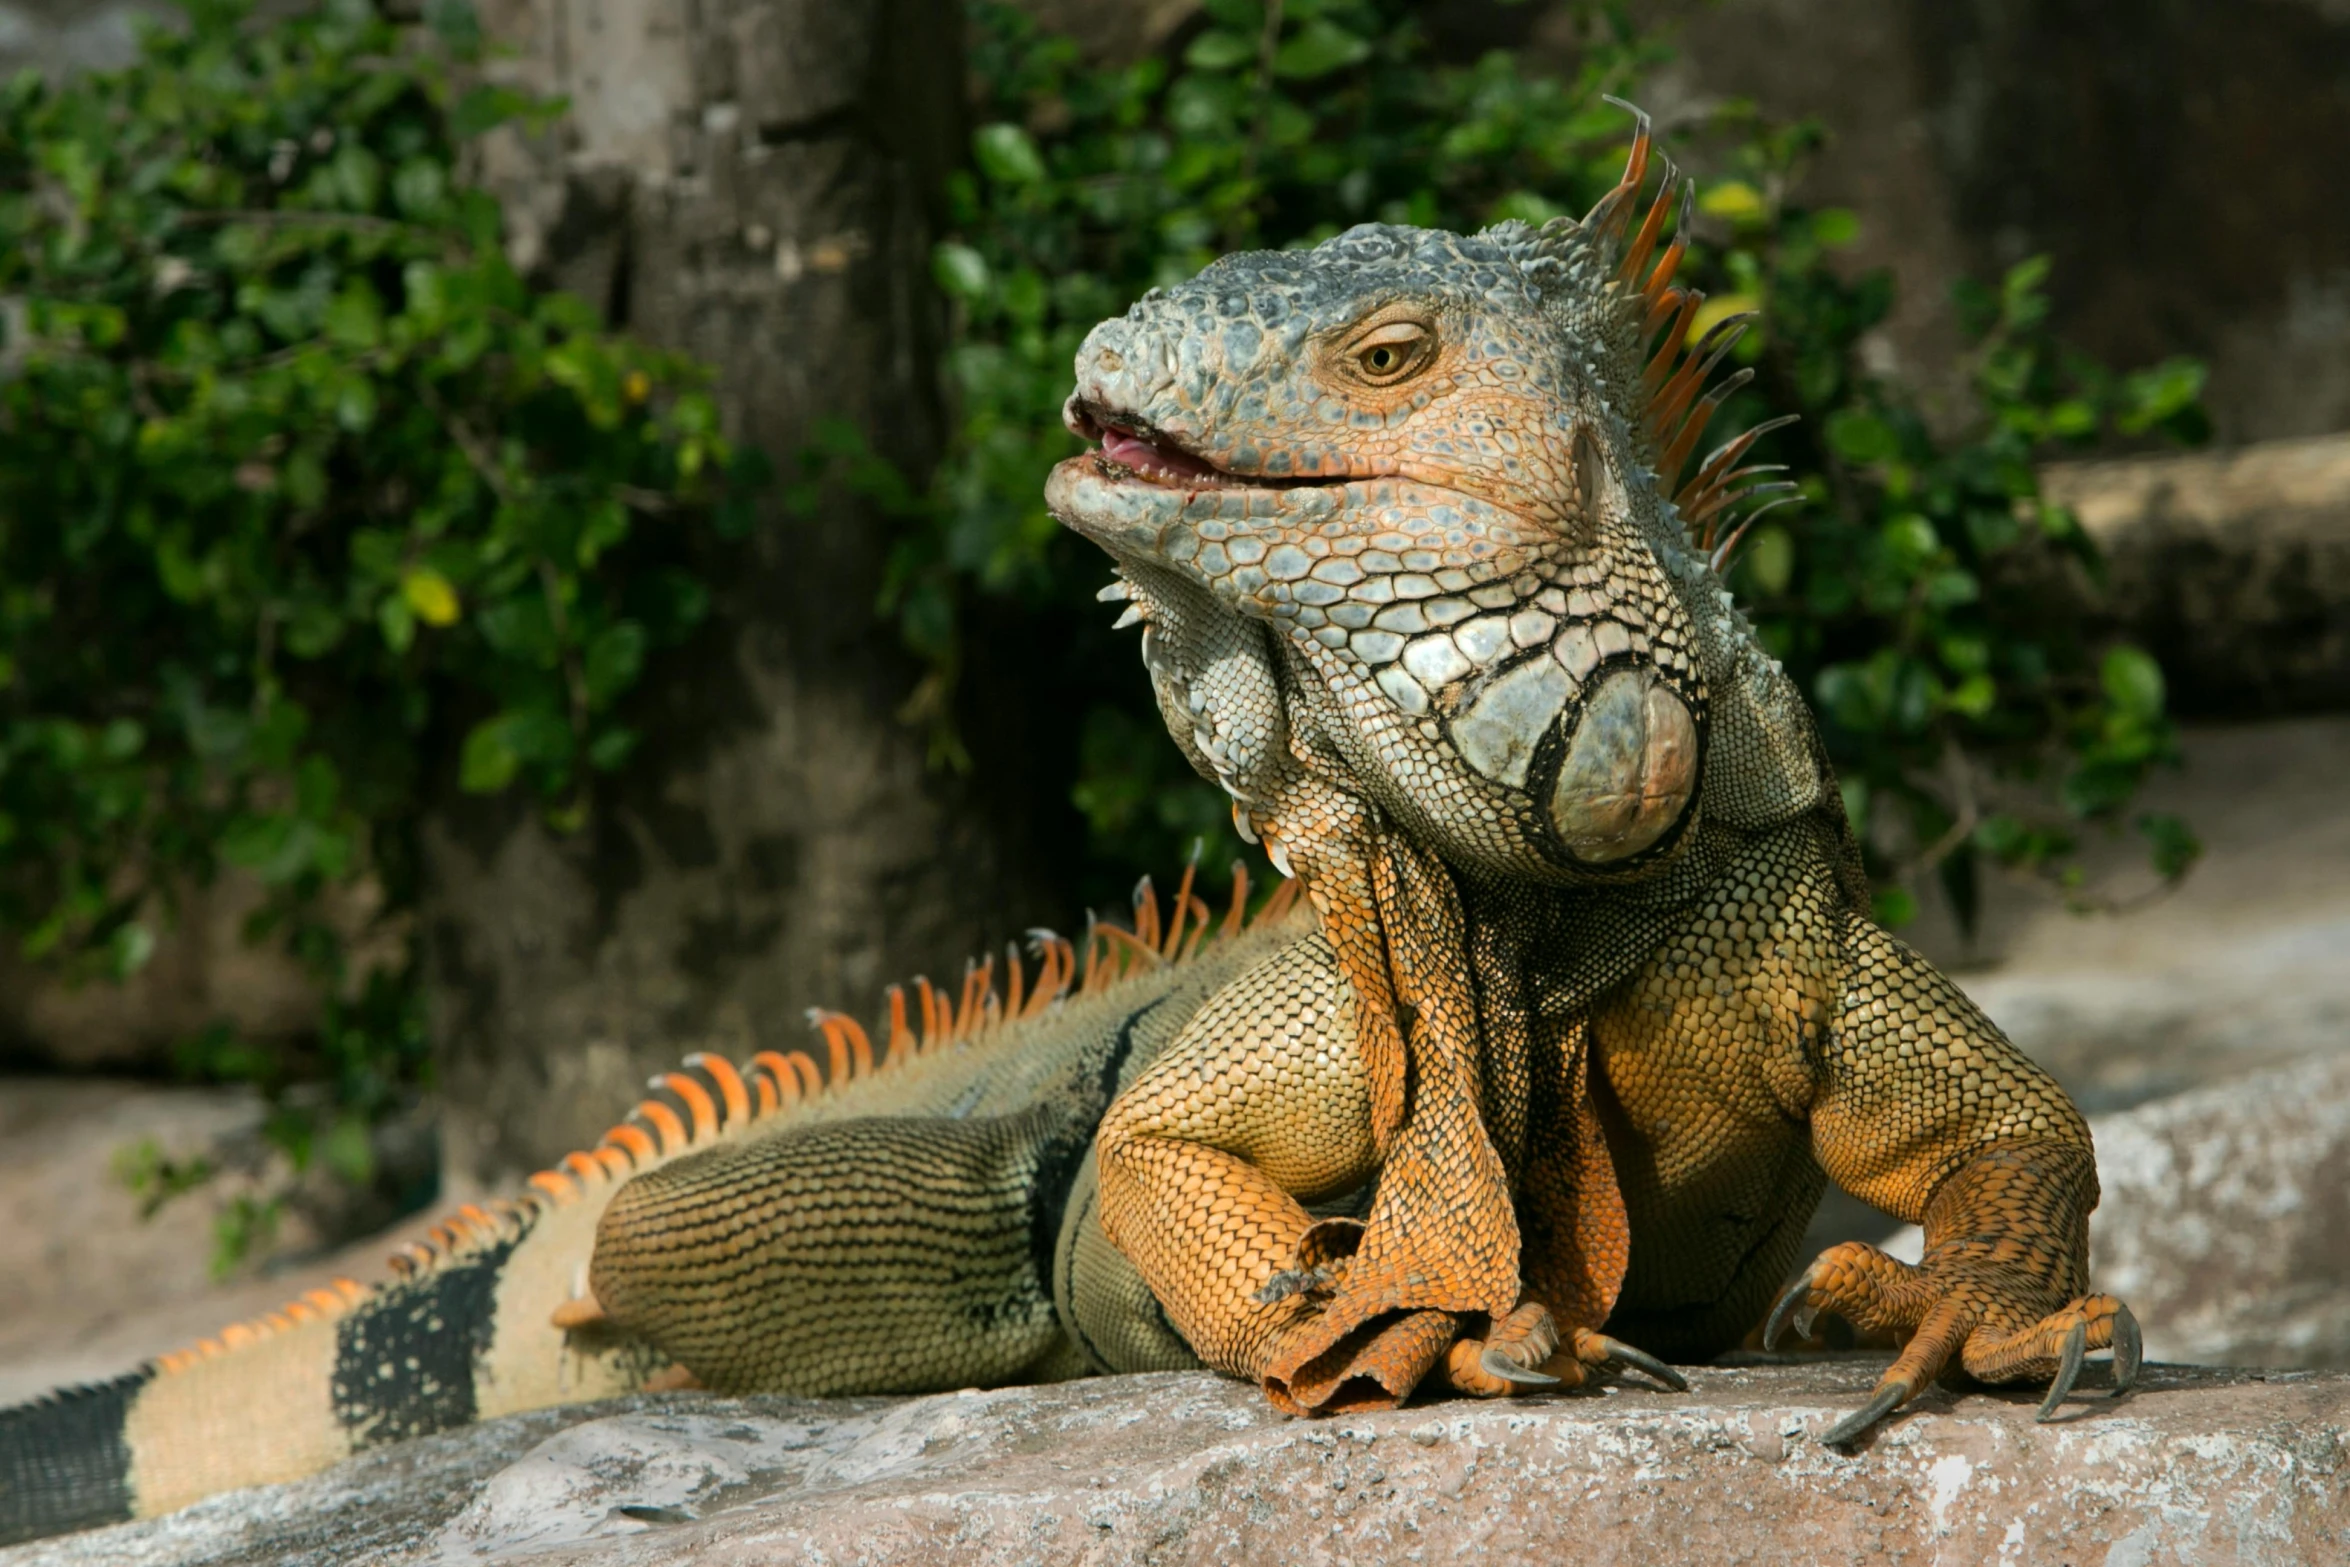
1428, 465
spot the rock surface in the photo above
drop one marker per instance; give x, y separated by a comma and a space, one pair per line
2233, 567
2239, 968
2198, 1466
2226, 1218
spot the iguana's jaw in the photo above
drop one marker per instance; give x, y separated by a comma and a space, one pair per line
1128, 447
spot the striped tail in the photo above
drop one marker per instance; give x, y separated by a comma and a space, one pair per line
64, 1460
490, 1315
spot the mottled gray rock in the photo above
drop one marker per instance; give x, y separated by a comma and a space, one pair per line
2199, 1466
2226, 1218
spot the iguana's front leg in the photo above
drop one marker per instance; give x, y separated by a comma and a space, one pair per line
1207, 1160
1926, 1111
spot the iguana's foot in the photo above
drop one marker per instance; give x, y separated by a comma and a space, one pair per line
1525, 1351
1994, 1320
1509, 1359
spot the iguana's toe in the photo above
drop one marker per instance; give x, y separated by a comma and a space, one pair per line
1496, 1363
1990, 1320
1598, 1350
1510, 1357
1890, 1395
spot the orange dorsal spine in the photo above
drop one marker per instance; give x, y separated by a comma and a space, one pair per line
1676, 402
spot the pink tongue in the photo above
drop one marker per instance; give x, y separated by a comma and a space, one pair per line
1135, 452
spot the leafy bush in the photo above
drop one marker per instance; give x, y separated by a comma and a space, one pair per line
298, 481
1280, 127
309, 504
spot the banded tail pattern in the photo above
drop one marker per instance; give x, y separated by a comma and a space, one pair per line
489, 1313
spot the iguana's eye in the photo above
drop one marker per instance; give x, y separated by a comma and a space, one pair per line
1391, 351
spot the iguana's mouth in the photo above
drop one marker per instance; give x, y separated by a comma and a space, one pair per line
1130, 449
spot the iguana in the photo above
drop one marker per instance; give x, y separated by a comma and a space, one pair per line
1586, 1009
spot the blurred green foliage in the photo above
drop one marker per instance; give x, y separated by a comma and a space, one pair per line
1281, 125
309, 505
304, 494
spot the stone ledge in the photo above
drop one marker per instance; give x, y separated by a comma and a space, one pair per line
2200, 1465
2232, 566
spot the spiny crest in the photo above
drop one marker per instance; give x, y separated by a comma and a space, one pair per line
1628, 284
709, 1098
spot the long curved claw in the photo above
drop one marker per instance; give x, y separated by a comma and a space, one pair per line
1498, 1364
2129, 1351
1642, 1361
1786, 1310
1850, 1429
2068, 1370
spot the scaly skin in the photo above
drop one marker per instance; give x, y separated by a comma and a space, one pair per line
1398, 514
1589, 1008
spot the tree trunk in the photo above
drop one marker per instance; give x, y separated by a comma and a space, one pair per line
747, 181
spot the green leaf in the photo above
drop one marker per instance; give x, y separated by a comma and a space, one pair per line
488, 761
1859, 437
613, 660
1834, 228
355, 408
456, 23
486, 107
122, 739
349, 1150
612, 748
1911, 541
132, 945
397, 622
1007, 153
1219, 49
2133, 682
2174, 846
960, 270
1317, 49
